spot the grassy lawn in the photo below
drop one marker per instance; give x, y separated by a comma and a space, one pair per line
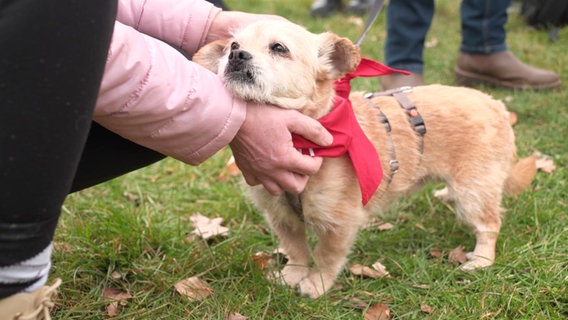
132, 233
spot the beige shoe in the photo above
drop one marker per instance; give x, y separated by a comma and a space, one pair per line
394, 81
502, 69
29, 306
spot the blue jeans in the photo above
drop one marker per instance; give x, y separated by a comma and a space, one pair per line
408, 21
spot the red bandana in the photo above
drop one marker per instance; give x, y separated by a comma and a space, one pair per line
347, 134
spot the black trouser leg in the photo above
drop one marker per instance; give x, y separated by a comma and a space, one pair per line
108, 155
52, 58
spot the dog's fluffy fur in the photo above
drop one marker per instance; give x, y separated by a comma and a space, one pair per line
469, 145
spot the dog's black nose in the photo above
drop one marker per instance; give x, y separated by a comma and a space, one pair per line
236, 55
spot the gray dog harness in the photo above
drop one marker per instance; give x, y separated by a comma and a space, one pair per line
415, 119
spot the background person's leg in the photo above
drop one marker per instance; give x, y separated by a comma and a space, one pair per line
408, 22
52, 59
484, 57
483, 25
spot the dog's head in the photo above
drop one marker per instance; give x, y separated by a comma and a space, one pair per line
281, 63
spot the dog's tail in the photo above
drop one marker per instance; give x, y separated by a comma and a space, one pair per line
521, 176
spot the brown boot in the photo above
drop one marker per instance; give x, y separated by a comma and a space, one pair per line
393, 81
29, 306
502, 69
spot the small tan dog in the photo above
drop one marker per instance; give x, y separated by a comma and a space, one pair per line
469, 145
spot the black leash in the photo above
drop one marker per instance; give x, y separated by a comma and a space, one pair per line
377, 6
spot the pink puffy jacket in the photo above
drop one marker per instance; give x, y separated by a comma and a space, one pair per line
152, 95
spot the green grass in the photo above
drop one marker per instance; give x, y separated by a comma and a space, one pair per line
103, 233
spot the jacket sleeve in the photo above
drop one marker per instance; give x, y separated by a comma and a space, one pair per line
183, 24
152, 95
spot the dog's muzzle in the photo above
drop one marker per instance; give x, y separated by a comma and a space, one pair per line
239, 67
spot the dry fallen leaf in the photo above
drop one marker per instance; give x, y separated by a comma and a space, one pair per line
132, 198
435, 253
231, 170
431, 43
235, 316
357, 303
513, 118
426, 308
376, 223
373, 223
385, 226
457, 256
421, 286
544, 162
193, 288
117, 298
207, 228
116, 275
280, 252
379, 311
62, 246
361, 270
264, 259
355, 21
378, 270
381, 269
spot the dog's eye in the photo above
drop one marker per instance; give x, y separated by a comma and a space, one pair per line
278, 47
234, 46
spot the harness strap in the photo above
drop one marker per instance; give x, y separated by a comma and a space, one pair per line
393, 163
414, 117
413, 114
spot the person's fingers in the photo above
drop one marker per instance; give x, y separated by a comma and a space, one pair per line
266, 154
250, 179
278, 181
289, 182
272, 187
268, 183
310, 129
304, 164
298, 185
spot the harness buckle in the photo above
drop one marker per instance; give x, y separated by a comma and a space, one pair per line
417, 122
385, 121
394, 166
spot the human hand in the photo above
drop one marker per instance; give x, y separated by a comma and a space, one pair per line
227, 21
264, 152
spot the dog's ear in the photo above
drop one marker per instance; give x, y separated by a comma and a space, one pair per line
338, 56
210, 54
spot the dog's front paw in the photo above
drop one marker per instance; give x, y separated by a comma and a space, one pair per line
289, 275
475, 262
314, 285
292, 275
